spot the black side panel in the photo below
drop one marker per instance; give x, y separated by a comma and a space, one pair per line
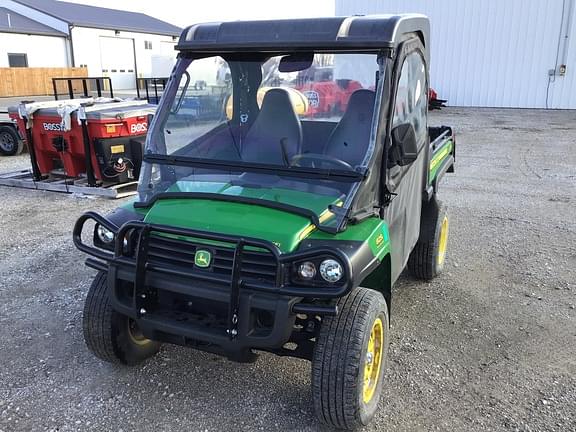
405, 183
403, 213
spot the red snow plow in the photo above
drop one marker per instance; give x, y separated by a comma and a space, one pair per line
81, 136
87, 146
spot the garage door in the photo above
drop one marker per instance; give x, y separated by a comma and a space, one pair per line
117, 57
163, 62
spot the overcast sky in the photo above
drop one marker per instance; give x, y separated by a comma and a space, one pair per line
185, 12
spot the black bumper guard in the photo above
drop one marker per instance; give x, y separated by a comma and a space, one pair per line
112, 262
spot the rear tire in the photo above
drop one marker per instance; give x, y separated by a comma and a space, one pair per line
349, 358
428, 257
111, 336
10, 142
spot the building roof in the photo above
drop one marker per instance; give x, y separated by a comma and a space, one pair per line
97, 17
12, 22
338, 33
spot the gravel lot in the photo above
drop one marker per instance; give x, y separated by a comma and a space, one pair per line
488, 346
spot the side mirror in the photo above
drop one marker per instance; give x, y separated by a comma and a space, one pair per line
404, 149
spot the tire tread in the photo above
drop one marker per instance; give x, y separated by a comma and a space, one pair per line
336, 363
422, 259
97, 321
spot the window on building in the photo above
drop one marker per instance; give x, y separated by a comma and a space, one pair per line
148, 45
17, 60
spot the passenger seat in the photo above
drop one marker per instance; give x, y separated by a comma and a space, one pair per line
350, 138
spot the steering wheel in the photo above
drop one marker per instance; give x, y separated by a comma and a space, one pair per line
316, 160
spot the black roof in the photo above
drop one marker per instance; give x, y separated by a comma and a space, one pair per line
355, 32
12, 22
97, 17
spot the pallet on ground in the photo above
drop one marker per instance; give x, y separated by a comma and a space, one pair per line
56, 183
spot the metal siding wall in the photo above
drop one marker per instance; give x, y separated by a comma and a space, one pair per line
490, 53
563, 89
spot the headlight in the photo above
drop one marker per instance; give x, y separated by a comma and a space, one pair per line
307, 270
331, 270
104, 234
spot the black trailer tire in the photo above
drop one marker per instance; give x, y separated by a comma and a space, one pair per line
111, 336
428, 257
10, 142
347, 376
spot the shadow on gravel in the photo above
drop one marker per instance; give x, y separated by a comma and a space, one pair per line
194, 385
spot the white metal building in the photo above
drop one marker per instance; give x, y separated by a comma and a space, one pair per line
494, 53
119, 44
25, 42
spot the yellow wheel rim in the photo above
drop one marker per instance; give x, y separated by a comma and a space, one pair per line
373, 362
135, 333
443, 243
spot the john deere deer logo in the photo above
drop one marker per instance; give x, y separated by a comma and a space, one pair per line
202, 258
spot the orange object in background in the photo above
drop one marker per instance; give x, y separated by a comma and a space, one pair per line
328, 97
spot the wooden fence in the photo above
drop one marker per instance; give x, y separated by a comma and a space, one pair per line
15, 82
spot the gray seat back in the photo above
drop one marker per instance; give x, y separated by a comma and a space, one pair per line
276, 130
350, 138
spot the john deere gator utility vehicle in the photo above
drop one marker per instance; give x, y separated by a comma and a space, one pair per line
263, 227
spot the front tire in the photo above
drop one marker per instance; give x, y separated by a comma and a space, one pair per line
349, 358
111, 336
428, 257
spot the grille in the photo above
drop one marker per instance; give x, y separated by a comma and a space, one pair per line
179, 254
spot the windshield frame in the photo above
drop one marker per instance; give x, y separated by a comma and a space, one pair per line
356, 176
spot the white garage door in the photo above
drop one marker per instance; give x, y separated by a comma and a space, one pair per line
163, 62
117, 57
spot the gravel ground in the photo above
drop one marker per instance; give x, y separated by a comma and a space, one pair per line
490, 345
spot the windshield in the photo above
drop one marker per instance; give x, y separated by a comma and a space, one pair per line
296, 129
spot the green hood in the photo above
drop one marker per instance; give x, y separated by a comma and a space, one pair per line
284, 229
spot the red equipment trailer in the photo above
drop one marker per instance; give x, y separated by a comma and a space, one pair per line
325, 94
328, 96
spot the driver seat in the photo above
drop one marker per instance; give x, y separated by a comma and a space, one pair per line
276, 134
350, 138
